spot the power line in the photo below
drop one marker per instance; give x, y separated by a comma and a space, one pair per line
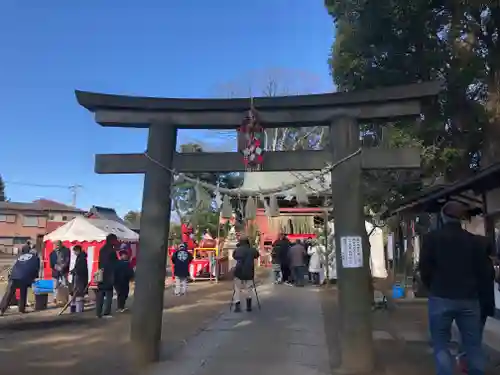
36, 185
74, 189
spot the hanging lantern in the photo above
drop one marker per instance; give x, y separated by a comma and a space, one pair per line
250, 209
253, 135
274, 209
227, 208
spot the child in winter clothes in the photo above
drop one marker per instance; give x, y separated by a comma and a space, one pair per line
181, 260
124, 274
276, 266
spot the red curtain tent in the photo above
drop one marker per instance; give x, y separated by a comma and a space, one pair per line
91, 235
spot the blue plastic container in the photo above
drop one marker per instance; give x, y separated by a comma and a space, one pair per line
398, 292
43, 287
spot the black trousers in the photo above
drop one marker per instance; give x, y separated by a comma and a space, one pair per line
104, 299
285, 272
315, 277
10, 293
122, 292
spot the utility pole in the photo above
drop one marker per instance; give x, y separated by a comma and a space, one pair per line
74, 192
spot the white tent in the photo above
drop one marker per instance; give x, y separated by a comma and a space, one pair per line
82, 229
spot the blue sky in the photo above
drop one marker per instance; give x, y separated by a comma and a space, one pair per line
173, 48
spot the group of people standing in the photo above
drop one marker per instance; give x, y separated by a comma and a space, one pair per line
291, 261
114, 273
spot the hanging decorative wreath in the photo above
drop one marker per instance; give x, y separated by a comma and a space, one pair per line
253, 135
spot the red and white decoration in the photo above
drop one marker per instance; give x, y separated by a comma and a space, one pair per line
253, 134
90, 234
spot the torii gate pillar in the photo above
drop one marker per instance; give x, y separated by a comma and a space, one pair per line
153, 242
356, 342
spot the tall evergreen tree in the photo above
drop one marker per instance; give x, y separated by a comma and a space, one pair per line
390, 42
2, 190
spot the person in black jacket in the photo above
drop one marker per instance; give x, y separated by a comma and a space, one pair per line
244, 273
486, 297
22, 275
276, 265
105, 277
181, 259
80, 279
282, 246
124, 274
454, 268
59, 263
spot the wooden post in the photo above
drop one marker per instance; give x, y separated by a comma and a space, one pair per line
357, 355
155, 221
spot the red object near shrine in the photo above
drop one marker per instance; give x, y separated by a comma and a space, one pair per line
187, 236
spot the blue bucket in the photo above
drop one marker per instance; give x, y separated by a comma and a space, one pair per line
43, 286
398, 292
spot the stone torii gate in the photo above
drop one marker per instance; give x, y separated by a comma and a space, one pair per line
340, 111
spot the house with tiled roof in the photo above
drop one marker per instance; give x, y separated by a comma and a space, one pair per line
23, 221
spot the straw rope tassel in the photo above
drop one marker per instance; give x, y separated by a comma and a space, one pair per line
227, 208
274, 209
301, 194
250, 209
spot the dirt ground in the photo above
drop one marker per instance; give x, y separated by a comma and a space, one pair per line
40, 343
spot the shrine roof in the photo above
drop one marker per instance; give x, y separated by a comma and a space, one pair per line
98, 101
467, 191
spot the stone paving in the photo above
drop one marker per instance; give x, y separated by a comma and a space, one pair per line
286, 336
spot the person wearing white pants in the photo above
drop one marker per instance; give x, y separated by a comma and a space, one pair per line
242, 288
180, 286
181, 260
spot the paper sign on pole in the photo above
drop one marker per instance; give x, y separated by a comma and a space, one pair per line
351, 249
390, 246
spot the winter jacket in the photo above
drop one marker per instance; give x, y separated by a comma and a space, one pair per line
296, 255
453, 263
59, 262
245, 262
124, 273
181, 259
282, 247
80, 274
107, 263
26, 268
275, 255
315, 252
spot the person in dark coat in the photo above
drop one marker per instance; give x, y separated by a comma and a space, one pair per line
22, 275
282, 246
105, 276
296, 256
59, 263
276, 266
244, 273
124, 274
307, 258
80, 279
453, 268
486, 297
181, 259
